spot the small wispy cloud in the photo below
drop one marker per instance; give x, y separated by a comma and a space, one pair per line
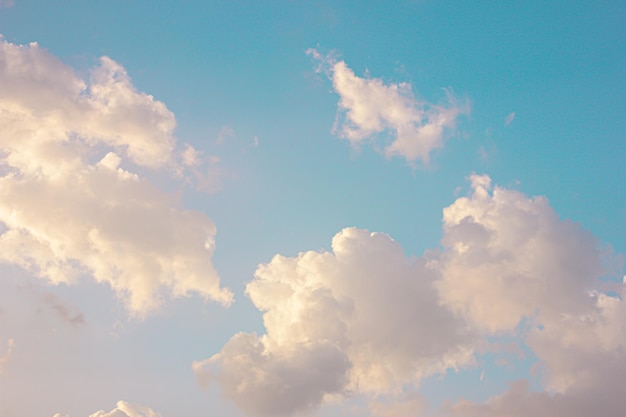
63, 310
369, 107
7, 355
509, 119
225, 134
72, 156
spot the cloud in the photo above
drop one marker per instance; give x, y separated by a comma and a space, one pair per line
7, 355
509, 119
123, 409
508, 257
509, 260
369, 107
7, 3
63, 310
601, 396
72, 201
364, 319
336, 323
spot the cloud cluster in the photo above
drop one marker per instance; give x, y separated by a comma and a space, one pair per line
67, 207
369, 107
509, 259
124, 409
366, 319
336, 323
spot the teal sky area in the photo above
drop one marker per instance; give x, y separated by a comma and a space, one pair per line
538, 89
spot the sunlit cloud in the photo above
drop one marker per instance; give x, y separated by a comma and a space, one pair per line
73, 201
370, 109
365, 319
336, 323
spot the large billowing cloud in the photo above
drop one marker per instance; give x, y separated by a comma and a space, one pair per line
124, 409
509, 259
366, 319
363, 318
368, 107
6, 355
72, 202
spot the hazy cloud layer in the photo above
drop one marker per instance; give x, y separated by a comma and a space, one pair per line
67, 206
366, 319
368, 107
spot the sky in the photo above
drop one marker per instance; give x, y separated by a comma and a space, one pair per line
312, 208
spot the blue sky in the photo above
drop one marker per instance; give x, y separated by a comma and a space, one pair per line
443, 181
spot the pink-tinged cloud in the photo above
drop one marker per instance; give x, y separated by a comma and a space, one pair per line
365, 319
369, 108
72, 201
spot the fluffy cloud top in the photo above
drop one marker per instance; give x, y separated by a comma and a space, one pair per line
509, 258
369, 107
124, 409
67, 206
366, 319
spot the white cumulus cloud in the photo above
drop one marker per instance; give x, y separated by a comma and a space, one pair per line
68, 207
363, 318
366, 319
507, 257
369, 107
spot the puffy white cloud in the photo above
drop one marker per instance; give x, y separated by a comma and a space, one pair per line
68, 207
363, 318
508, 257
123, 409
369, 107
366, 319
